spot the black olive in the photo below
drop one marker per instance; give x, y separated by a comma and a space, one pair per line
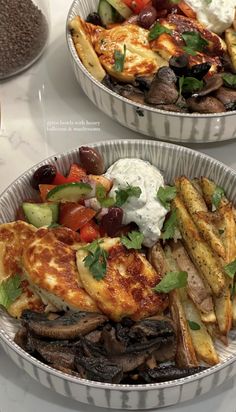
112, 221
95, 19
91, 160
199, 70
147, 17
179, 64
43, 175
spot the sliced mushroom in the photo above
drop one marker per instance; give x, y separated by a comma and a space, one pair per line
206, 104
172, 108
163, 90
96, 369
168, 373
69, 326
132, 93
211, 85
227, 97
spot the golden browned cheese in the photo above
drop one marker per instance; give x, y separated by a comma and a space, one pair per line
127, 287
169, 45
13, 237
50, 267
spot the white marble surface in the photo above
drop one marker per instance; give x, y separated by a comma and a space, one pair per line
43, 111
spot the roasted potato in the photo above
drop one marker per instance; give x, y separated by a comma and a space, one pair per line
230, 38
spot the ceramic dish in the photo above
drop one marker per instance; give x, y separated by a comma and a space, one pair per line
169, 126
172, 160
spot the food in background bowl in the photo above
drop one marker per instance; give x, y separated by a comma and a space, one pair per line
121, 278
161, 56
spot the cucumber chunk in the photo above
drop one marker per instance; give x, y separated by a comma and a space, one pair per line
41, 214
121, 7
69, 192
106, 12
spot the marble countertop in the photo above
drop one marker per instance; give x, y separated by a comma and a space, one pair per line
43, 112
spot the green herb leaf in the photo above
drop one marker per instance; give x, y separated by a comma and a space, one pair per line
189, 85
134, 240
165, 195
96, 260
10, 290
194, 325
122, 195
194, 42
157, 30
230, 269
217, 196
171, 281
119, 60
229, 80
101, 196
170, 226
175, 1
208, 2
221, 231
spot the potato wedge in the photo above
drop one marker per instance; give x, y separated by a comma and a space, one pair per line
196, 289
214, 331
192, 199
210, 233
201, 339
156, 257
185, 356
208, 189
223, 310
199, 251
230, 38
85, 49
229, 232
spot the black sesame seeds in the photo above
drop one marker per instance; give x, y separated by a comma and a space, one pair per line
23, 35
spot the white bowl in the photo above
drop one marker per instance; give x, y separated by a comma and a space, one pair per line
160, 124
173, 161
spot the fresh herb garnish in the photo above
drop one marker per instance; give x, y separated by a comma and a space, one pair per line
171, 281
208, 2
96, 260
194, 325
119, 60
221, 231
194, 42
165, 195
157, 30
217, 196
101, 196
229, 80
175, 1
170, 226
230, 269
122, 195
134, 240
10, 290
189, 85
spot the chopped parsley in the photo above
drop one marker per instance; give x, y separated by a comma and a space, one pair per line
217, 196
170, 226
165, 195
229, 80
189, 85
157, 30
194, 325
10, 290
101, 196
230, 269
171, 281
134, 240
122, 195
119, 60
96, 261
194, 42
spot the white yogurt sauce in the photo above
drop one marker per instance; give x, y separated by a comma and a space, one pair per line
146, 211
216, 15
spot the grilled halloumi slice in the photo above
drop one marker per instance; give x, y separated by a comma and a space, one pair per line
100, 46
127, 287
82, 40
13, 237
168, 45
50, 268
140, 60
230, 38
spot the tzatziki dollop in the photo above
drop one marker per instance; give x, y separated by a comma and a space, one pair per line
146, 211
216, 15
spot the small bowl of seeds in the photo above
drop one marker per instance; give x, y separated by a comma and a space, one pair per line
24, 32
